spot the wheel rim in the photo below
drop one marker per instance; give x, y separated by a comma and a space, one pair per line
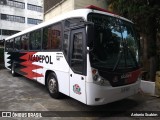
52, 85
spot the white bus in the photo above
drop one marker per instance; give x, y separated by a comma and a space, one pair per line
88, 54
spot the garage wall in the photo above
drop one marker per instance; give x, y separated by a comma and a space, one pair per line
62, 7
84, 3
68, 5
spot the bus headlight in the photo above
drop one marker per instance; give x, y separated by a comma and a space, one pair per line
97, 79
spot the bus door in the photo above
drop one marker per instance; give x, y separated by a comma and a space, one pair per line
77, 65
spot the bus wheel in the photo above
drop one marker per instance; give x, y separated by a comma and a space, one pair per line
13, 70
52, 86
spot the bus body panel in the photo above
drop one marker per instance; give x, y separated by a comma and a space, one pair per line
89, 77
63, 82
36, 64
78, 87
99, 95
56, 62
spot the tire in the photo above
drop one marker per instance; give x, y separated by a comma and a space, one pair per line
52, 86
14, 74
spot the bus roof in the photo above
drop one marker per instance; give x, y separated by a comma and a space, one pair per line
72, 14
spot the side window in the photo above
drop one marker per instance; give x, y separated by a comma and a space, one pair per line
31, 41
77, 62
52, 37
45, 38
17, 43
35, 40
11, 44
7, 44
24, 40
66, 43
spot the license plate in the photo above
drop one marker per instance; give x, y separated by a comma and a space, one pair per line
125, 89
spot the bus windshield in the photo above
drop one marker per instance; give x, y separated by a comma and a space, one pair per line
115, 45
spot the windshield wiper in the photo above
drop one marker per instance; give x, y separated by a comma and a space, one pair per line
134, 59
117, 63
119, 58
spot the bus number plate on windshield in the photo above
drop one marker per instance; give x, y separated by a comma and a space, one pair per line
125, 89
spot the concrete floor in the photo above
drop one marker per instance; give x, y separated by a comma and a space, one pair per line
22, 94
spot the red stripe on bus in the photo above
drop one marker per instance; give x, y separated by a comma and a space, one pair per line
29, 66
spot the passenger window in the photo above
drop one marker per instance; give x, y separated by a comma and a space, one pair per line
52, 37
11, 44
35, 40
17, 43
24, 40
7, 45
